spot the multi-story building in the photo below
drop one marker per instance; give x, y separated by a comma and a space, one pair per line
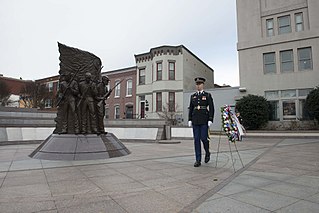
278, 49
16, 88
121, 102
163, 74
51, 85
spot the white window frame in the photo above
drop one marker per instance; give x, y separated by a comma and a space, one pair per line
270, 29
159, 71
282, 61
299, 23
48, 103
50, 86
142, 75
129, 88
281, 26
304, 60
117, 89
171, 70
269, 63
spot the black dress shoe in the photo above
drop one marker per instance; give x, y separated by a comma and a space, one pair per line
207, 157
197, 164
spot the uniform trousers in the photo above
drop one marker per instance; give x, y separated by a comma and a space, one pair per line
200, 133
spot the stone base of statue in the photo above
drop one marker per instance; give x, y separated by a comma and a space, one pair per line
80, 147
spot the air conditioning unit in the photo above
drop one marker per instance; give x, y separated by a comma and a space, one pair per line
242, 89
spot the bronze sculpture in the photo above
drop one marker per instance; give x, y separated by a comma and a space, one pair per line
80, 112
82, 94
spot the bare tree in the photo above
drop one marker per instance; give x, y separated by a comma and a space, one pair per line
34, 95
4, 94
169, 114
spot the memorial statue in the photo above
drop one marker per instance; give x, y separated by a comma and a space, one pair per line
79, 132
81, 99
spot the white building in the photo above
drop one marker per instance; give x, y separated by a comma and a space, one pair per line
163, 74
278, 48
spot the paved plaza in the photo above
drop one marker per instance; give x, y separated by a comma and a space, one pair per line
281, 174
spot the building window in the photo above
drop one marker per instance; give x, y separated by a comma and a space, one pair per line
291, 102
129, 112
304, 92
269, 95
273, 100
159, 68
48, 103
171, 74
57, 86
291, 93
117, 89
304, 59
273, 110
299, 22
171, 101
289, 109
284, 25
129, 88
50, 86
117, 112
286, 61
141, 79
158, 102
269, 63
270, 27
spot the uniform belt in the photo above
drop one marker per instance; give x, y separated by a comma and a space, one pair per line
200, 107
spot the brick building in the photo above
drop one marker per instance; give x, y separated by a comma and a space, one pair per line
51, 85
121, 103
16, 88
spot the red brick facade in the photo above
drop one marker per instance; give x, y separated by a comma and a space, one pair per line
121, 103
15, 86
51, 84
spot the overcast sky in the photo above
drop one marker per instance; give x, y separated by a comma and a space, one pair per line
115, 30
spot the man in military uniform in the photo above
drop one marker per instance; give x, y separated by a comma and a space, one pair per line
201, 116
102, 95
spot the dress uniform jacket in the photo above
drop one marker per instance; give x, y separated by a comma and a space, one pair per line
201, 108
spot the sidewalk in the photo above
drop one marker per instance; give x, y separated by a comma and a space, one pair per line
280, 175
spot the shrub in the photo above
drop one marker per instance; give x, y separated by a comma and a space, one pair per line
254, 111
312, 103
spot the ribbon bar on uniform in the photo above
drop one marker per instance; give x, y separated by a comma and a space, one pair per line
200, 107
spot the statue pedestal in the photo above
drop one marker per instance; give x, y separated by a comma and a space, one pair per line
80, 147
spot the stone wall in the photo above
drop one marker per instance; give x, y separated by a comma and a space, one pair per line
291, 125
18, 124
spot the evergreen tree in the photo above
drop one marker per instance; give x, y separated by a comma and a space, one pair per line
312, 103
254, 111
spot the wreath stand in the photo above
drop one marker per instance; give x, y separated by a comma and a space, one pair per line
231, 152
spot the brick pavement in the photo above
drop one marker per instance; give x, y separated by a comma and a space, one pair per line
280, 175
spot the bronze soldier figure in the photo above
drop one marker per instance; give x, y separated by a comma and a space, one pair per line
88, 94
69, 87
102, 95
